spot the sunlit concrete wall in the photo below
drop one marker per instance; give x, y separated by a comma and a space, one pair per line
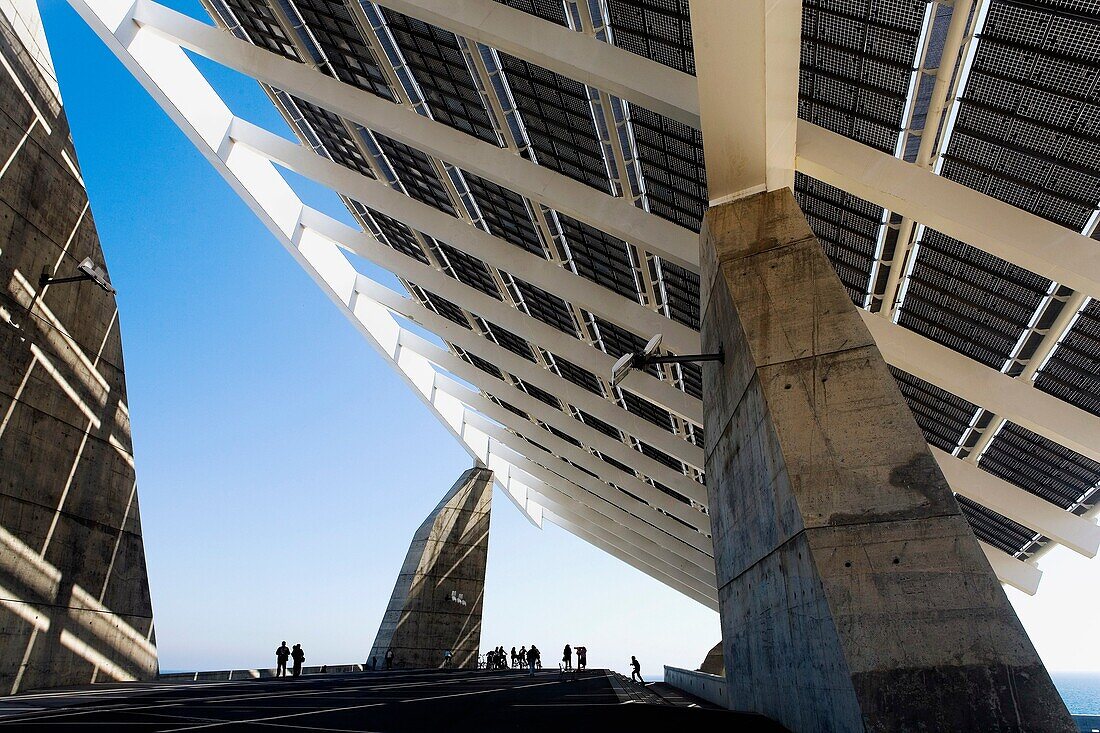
74, 595
437, 600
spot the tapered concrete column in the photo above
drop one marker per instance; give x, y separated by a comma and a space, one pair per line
853, 594
437, 600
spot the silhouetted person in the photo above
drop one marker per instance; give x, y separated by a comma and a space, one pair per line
637, 666
567, 657
515, 657
523, 656
447, 659
389, 659
281, 655
532, 659
582, 657
298, 656
373, 664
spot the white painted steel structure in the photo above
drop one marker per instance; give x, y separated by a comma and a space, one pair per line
745, 98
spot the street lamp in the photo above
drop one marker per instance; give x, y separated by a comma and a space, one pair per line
638, 360
88, 271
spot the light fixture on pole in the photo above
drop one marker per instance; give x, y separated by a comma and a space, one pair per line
647, 356
88, 271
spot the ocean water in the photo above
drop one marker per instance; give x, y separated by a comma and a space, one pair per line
1080, 690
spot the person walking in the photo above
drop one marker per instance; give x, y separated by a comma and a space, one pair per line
298, 656
281, 655
532, 659
567, 657
389, 659
637, 667
447, 659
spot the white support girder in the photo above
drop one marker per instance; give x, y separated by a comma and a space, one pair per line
654, 86
615, 216
536, 270
1079, 534
1023, 576
1012, 398
991, 225
747, 59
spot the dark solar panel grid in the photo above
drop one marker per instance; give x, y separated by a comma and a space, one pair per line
547, 307
942, 416
1040, 466
485, 366
558, 119
398, 236
671, 156
621, 466
446, 308
509, 407
578, 375
606, 428
437, 64
563, 435
648, 411
552, 10
331, 23
506, 213
329, 128
995, 529
880, 137
468, 269
675, 495
660, 456
854, 97
682, 289
262, 26
691, 377
417, 173
516, 344
657, 29
539, 394
1073, 370
970, 300
599, 257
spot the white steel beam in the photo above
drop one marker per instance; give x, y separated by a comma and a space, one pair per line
1065, 528
530, 372
652, 85
615, 216
746, 62
1023, 576
981, 221
536, 270
1011, 398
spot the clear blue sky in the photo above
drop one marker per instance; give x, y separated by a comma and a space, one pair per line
282, 466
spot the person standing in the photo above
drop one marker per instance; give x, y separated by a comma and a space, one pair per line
389, 659
298, 656
582, 657
637, 667
523, 656
567, 657
532, 659
515, 658
281, 655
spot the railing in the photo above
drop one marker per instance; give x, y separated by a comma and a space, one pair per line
226, 675
709, 687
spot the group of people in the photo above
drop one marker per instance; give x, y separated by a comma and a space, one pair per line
283, 653
372, 663
567, 657
524, 658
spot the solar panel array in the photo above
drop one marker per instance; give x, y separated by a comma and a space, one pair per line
1025, 130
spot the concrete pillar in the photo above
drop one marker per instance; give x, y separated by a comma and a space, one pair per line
437, 601
74, 597
853, 594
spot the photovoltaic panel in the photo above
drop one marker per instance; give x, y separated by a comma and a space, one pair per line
606, 428
1073, 370
485, 366
563, 435
398, 235
996, 529
436, 61
969, 300
942, 416
1028, 124
558, 120
552, 10
578, 375
682, 289
444, 307
650, 412
329, 128
657, 29
539, 394
516, 344
505, 213
660, 456
692, 380
467, 269
335, 31
547, 307
259, 22
417, 173
671, 156
1041, 467
599, 257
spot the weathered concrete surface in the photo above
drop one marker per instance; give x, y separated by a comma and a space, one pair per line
446, 558
74, 597
714, 663
853, 594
